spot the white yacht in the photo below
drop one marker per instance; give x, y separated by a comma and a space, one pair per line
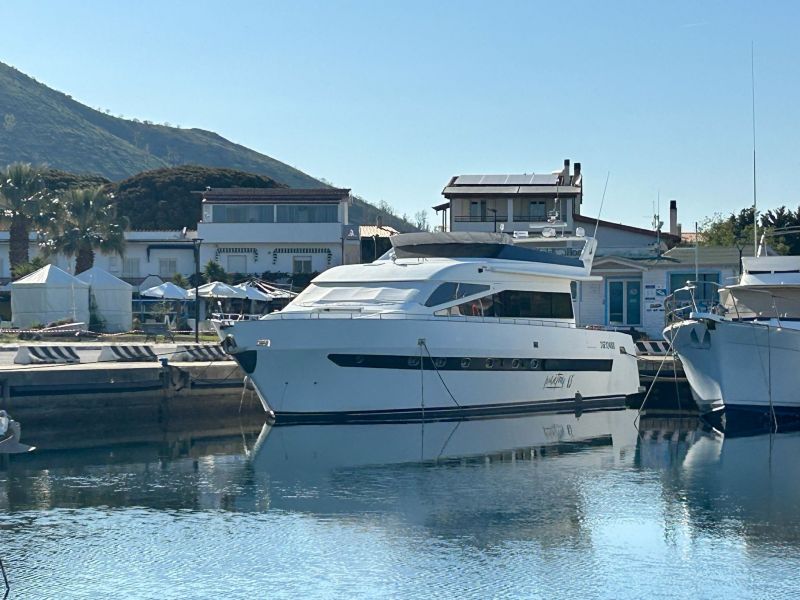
742, 358
445, 325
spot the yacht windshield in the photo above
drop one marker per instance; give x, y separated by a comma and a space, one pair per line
378, 292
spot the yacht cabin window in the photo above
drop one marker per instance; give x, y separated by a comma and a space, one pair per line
516, 304
450, 290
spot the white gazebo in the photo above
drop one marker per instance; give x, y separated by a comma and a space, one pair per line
48, 295
112, 298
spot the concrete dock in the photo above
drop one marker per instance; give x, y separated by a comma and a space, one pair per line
39, 394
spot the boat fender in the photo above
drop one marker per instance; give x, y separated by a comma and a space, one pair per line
229, 344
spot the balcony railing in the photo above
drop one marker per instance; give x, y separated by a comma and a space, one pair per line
521, 218
481, 219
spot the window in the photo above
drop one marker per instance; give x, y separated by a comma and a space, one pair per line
130, 267
308, 213
447, 292
237, 263
301, 264
244, 213
705, 293
537, 210
167, 267
519, 304
477, 210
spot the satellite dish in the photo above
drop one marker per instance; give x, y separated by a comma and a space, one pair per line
580, 232
549, 232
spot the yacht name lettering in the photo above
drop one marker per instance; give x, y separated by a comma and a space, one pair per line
558, 381
607, 345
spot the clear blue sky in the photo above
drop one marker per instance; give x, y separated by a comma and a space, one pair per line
391, 99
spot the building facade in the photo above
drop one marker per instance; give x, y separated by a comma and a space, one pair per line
248, 231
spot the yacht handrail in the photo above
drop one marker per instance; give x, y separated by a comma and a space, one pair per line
673, 314
401, 316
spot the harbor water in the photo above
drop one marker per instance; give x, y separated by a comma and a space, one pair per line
541, 506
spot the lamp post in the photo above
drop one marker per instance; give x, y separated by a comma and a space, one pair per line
196, 248
494, 214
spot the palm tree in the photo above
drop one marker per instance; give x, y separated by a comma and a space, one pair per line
22, 193
81, 221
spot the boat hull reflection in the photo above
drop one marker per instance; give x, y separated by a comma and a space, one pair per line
300, 449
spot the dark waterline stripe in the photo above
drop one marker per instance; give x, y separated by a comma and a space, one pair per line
451, 413
468, 363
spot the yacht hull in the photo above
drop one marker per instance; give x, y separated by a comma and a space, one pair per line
406, 369
740, 370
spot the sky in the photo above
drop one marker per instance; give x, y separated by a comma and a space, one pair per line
391, 99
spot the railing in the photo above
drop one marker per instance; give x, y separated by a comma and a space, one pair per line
676, 310
398, 316
481, 219
523, 218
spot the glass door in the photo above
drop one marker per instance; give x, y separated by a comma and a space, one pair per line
624, 302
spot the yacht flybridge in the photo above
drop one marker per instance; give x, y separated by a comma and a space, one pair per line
445, 325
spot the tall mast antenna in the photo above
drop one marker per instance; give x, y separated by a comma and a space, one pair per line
602, 201
753, 96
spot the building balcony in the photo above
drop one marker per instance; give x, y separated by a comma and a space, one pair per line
273, 233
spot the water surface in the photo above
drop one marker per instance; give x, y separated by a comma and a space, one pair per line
549, 506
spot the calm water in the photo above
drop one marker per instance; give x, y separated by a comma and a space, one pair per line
537, 507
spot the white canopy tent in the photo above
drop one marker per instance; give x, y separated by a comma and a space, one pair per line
48, 295
149, 282
217, 289
253, 293
112, 298
166, 291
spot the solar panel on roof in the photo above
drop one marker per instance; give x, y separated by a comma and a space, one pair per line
494, 179
544, 179
519, 179
468, 179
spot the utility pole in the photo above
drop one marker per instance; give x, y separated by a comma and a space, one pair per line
197, 243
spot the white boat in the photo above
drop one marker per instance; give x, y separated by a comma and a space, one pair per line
10, 433
443, 326
742, 357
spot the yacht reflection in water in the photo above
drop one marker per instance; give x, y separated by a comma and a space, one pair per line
742, 484
295, 450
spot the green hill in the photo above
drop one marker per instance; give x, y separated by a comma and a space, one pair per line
155, 167
42, 125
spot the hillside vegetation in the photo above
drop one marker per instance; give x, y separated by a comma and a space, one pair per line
43, 126
151, 169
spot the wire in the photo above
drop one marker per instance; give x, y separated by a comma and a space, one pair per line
435, 368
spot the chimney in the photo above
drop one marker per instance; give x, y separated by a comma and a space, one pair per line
565, 173
577, 171
674, 228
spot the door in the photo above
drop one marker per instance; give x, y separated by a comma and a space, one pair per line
625, 302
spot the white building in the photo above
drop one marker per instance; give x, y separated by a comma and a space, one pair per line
246, 230
639, 266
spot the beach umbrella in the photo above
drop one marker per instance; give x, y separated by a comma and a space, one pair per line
166, 291
217, 289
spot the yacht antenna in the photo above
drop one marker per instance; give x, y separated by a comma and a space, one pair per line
602, 201
753, 97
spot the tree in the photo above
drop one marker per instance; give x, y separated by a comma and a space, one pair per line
733, 230
27, 268
22, 192
214, 272
180, 280
81, 221
421, 220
